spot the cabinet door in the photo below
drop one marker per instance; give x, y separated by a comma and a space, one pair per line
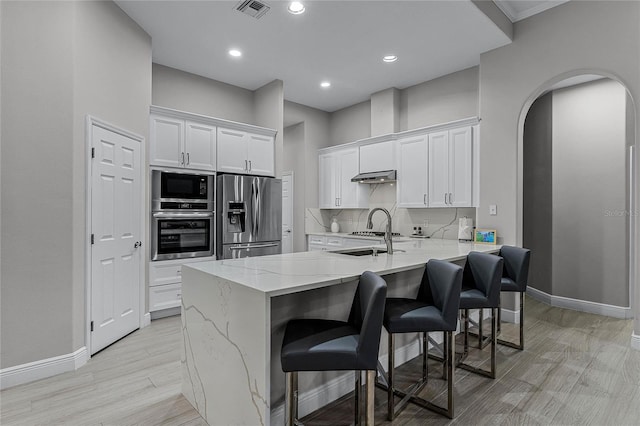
377, 157
167, 142
460, 167
200, 146
439, 169
327, 181
412, 172
351, 195
261, 155
232, 151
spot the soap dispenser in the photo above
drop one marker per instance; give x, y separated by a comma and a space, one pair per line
335, 227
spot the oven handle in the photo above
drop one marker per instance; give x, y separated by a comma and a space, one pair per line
250, 246
174, 215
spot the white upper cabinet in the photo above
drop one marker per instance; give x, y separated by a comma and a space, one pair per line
336, 191
245, 153
451, 168
167, 141
200, 146
412, 172
182, 143
377, 157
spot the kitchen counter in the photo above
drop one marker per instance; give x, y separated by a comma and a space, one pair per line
234, 312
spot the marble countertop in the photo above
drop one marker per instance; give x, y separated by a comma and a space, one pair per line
290, 273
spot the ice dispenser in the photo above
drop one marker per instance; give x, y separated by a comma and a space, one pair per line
236, 214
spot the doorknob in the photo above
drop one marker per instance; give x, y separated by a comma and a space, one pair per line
288, 231
137, 244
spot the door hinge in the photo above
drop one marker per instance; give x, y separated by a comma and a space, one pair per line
91, 325
93, 239
93, 153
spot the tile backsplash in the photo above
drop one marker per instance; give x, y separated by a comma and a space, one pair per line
435, 222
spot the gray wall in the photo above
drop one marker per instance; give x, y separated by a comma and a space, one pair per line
268, 111
61, 61
294, 154
452, 97
537, 191
183, 91
589, 193
350, 124
547, 48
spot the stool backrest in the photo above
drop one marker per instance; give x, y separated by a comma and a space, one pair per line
441, 285
367, 312
516, 265
483, 271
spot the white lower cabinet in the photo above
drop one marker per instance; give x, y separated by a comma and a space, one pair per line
165, 283
327, 242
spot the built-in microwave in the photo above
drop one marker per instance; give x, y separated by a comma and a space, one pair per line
176, 190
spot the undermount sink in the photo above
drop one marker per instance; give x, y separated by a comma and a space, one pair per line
361, 251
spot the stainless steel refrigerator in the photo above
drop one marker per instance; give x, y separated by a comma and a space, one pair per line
249, 216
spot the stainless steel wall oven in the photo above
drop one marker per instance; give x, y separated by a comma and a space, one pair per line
183, 214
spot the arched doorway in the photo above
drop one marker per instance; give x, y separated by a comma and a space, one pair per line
575, 145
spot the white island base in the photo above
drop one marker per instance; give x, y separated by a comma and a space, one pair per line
234, 313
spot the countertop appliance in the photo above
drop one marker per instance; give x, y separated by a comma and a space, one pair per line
182, 214
249, 216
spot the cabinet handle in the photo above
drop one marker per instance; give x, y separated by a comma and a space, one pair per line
246, 167
188, 161
182, 160
445, 198
250, 167
450, 198
424, 199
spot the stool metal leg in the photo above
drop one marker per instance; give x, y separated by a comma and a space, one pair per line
450, 343
425, 349
480, 320
492, 372
511, 344
390, 406
369, 405
358, 388
291, 398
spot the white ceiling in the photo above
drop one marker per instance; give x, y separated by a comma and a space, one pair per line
339, 41
517, 10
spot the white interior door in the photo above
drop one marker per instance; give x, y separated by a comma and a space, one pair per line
287, 212
116, 203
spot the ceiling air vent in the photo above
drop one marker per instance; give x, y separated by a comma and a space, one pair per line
253, 8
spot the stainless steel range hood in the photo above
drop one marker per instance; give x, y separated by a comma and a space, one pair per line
375, 177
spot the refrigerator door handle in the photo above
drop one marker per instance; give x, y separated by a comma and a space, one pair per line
250, 246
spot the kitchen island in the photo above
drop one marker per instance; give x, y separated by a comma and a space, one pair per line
234, 313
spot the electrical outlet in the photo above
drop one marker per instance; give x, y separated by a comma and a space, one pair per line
350, 221
425, 224
493, 210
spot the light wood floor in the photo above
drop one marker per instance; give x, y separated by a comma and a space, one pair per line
577, 369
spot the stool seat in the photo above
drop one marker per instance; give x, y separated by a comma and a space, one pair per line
410, 315
472, 298
507, 284
319, 345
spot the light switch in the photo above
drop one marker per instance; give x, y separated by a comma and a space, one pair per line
493, 209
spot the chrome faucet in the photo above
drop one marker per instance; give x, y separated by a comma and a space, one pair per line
387, 234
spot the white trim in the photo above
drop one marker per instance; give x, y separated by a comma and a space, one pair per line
581, 305
635, 341
43, 368
507, 315
91, 121
146, 319
322, 395
515, 16
184, 115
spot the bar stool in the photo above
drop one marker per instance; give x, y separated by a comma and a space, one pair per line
435, 309
515, 276
481, 289
327, 345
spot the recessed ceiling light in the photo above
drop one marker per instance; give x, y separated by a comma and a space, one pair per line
295, 8
325, 84
390, 58
235, 53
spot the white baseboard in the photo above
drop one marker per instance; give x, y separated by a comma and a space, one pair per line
313, 399
507, 315
581, 305
146, 320
635, 341
42, 369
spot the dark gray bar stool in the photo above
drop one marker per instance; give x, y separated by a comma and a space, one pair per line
481, 289
327, 345
435, 309
515, 275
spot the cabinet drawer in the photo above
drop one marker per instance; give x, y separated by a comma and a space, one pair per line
317, 239
317, 247
162, 274
165, 296
359, 242
334, 241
